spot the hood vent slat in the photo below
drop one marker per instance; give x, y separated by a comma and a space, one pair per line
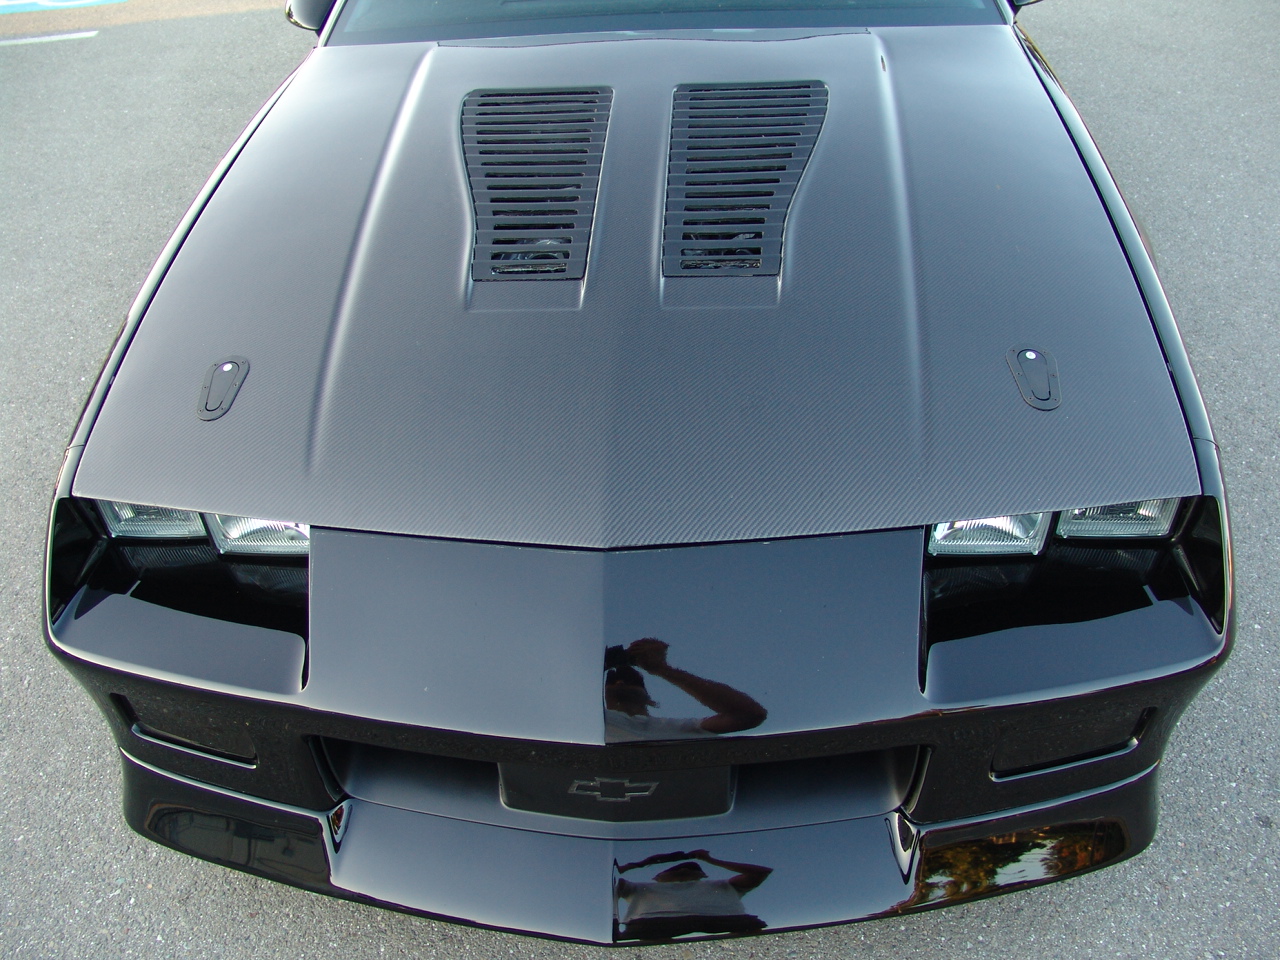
533, 162
738, 151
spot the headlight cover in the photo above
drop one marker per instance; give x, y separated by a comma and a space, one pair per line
144, 522
249, 535
1026, 533
991, 536
1140, 518
231, 535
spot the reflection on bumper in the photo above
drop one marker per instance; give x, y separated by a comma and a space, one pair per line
949, 872
589, 888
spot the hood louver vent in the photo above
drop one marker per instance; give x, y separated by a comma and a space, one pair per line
737, 153
533, 160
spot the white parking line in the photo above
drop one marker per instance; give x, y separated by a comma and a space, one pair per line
50, 38
43, 6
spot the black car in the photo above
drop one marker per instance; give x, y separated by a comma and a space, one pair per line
628, 470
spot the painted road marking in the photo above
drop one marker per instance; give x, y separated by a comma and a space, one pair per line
55, 36
34, 6
48, 18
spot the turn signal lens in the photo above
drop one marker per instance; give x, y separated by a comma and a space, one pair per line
1141, 518
139, 520
991, 536
264, 537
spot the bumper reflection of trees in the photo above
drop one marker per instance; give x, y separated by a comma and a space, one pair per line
974, 868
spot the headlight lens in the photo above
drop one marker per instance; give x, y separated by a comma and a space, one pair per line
231, 535
1026, 533
1141, 518
1022, 533
139, 520
250, 535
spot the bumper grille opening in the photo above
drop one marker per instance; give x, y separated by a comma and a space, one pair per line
1059, 745
748, 796
213, 736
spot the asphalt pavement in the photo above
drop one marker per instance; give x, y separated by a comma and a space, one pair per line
104, 140
58, 17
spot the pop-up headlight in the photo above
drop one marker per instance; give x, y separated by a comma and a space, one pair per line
139, 520
990, 536
1141, 518
247, 535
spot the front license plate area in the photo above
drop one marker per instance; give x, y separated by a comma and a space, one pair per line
590, 795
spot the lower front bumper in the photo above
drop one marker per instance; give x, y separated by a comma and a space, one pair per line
572, 888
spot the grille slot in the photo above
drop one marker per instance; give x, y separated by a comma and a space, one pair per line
737, 152
769, 794
533, 162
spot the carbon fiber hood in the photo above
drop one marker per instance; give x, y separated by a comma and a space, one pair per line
944, 218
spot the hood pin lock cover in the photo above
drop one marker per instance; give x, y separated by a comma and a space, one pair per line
1036, 373
221, 384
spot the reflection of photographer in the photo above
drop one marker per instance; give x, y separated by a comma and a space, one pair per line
627, 700
683, 899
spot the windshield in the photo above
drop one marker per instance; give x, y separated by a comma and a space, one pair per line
382, 21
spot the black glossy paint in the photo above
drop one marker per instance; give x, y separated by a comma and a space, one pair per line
118, 628
511, 641
178, 606
734, 641
1040, 616
763, 795
754, 716
623, 413
755, 639
588, 889
280, 843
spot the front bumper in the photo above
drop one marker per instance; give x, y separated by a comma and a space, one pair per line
564, 887
937, 771
412, 819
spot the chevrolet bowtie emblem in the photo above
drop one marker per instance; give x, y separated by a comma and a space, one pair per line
607, 790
